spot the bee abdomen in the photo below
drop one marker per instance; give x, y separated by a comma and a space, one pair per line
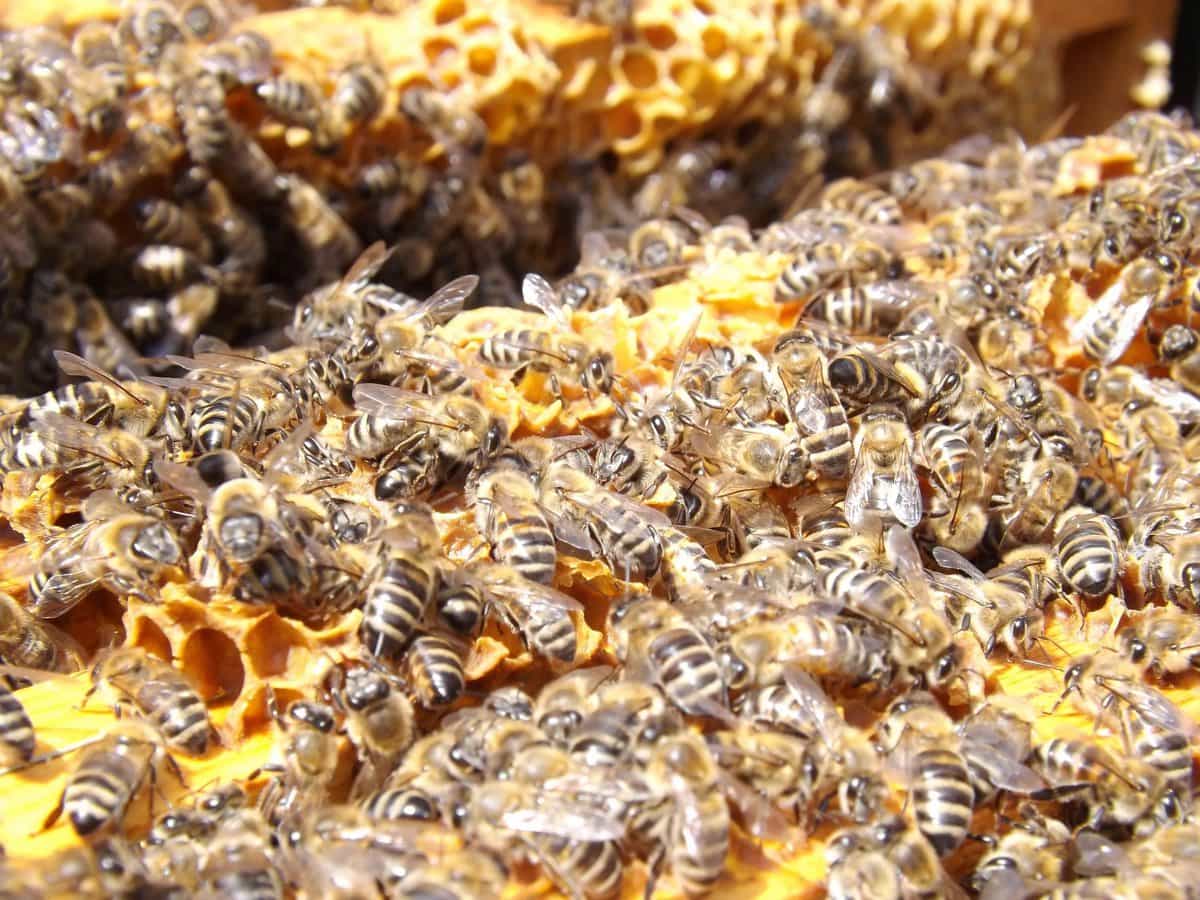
179, 713
943, 798
688, 670
397, 804
435, 670
99, 792
1089, 557
16, 729
527, 544
395, 606
596, 865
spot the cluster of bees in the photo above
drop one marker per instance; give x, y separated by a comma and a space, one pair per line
820, 530
142, 207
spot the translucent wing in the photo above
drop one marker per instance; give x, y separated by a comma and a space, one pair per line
447, 301
952, 559
538, 293
1104, 307
1128, 325
904, 492
810, 401
564, 817
398, 403
530, 595
77, 366
183, 478
858, 491
1179, 402
368, 264
1096, 855
998, 753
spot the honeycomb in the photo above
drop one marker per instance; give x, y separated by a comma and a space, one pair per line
233, 651
701, 104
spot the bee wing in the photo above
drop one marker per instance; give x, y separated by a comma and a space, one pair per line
763, 818
685, 347
538, 293
952, 559
858, 491
72, 434
1181, 403
904, 493
564, 818
813, 699
447, 301
1128, 325
1104, 306
888, 371
1097, 855
809, 401
398, 403
62, 592
368, 264
283, 456
998, 753
689, 816
1154, 708
532, 596
75, 365
183, 478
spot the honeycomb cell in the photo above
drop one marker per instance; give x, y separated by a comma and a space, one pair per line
481, 59
144, 633
715, 42
623, 122
213, 662
269, 644
439, 51
660, 36
446, 11
640, 69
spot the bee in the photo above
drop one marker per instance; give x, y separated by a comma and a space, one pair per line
460, 131
358, 94
856, 870
238, 859
152, 27
957, 517
305, 759
942, 795
838, 649
528, 348
1163, 640
650, 632
108, 776
1117, 792
1048, 486
1180, 350
607, 524
1110, 324
203, 20
931, 186
508, 515
543, 617
868, 204
1033, 848
883, 480
1003, 607
860, 377
327, 238
124, 551
434, 666
17, 739
614, 14
164, 223
562, 704
235, 233
163, 697
244, 58
29, 644
1088, 547
294, 100
693, 822
766, 452
402, 584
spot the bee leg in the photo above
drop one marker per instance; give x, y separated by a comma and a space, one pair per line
50, 819
654, 868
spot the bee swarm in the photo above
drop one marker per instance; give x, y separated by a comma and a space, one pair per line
854, 552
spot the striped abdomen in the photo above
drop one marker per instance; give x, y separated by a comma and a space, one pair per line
395, 606
594, 867
687, 669
17, 739
1089, 554
522, 538
943, 798
435, 670
699, 860
225, 422
98, 793
178, 713
397, 804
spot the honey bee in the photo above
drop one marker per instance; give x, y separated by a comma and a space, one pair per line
543, 617
838, 649
327, 238
28, 643
460, 131
305, 758
1088, 547
957, 517
508, 515
1163, 640
603, 523
122, 550
164, 223
129, 677
520, 349
693, 823
1110, 324
999, 608
868, 204
402, 585
358, 94
17, 738
434, 666
765, 452
1049, 486
883, 480
942, 795
652, 634
244, 58
1179, 349
108, 776
1032, 848
294, 100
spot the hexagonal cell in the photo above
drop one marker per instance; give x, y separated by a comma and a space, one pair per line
144, 633
213, 663
714, 41
640, 69
660, 36
481, 59
269, 643
623, 121
446, 11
